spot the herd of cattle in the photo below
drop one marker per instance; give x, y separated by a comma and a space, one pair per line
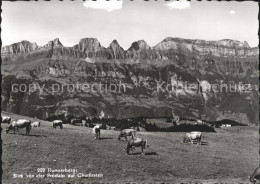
190, 137
15, 125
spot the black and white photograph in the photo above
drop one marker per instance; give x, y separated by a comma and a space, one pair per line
130, 91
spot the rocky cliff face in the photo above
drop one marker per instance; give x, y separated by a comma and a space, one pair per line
20, 47
88, 45
115, 51
53, 43
140, 69
221, 48
141, 50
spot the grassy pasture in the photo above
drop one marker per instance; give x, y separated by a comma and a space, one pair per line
228, 156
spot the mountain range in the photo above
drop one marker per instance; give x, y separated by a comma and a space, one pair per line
140, 68
89, 47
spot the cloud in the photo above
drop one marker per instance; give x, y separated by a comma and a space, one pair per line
110, 5
232, 12
182, 4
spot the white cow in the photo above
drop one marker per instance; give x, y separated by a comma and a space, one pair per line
21, 123
225, 125
56, 123
96, 131
190, 137
84, 123
6, 119
200, 121
36, 124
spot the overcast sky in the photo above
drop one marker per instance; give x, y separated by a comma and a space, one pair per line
128, 21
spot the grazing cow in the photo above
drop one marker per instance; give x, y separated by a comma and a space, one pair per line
6, 119
225, 125
200, 121
84, 123
190, 137
75, 121
127, 132
21, 123
96, 131
136, 142
255, 176
56, 123
36, 124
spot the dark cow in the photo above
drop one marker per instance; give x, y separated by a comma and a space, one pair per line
6, 119
255, 176
127, 132
136, 142
190, 137
56, 123
21, 123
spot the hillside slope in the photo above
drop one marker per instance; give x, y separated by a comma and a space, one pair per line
220, 159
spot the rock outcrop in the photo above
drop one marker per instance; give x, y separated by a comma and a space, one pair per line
116, 51
221, 48
19, 48
141, 50
53, 43
87, 45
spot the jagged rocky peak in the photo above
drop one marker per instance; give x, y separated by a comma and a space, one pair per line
55, 42
246, 44
31, 46
143, 44
116, 50
88, 45
139, 45
19, 47
114, 44
140, 50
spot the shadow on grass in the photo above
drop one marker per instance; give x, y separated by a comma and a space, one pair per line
151, 153
202, 143
33, 135
104, 138
26, 135
145, 153
123, 140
